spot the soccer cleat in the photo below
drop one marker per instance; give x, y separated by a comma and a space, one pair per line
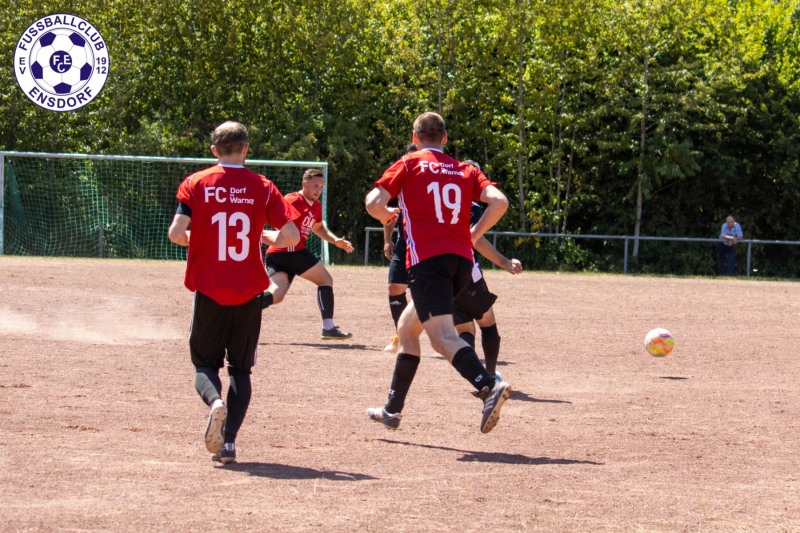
477, 393
215, 438
379, 414
334, 334
393, 343
493, 400
225, 455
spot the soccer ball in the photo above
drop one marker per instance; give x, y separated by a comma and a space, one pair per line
61, 61
659, 342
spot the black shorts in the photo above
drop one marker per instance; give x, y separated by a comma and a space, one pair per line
436, 281
397, 266
293, 263
219, 329
473, 302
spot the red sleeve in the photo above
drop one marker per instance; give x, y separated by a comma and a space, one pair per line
279, 211
392, 179
481, 183
185, 191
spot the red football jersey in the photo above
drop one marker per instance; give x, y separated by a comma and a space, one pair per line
230, 206
435, 193
310, 214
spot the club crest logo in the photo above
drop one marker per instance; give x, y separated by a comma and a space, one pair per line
61, 62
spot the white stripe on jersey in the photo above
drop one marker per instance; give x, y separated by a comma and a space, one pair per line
410, 244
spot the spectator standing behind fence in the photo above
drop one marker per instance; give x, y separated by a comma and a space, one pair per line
729, 236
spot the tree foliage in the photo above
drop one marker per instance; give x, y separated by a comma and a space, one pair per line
652, 117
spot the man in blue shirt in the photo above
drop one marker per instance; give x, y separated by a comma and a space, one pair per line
729, 236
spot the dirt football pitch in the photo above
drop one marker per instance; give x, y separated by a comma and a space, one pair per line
102, 429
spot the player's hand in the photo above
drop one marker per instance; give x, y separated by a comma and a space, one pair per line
344, 245
513, 267
268, 237
388, 250
391, 216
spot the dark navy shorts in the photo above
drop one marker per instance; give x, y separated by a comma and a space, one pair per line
397, 266
473, 302
435, 282
293, 263
219, 329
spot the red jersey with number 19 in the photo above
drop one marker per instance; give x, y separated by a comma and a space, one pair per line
230, 206
435, 192
310, 214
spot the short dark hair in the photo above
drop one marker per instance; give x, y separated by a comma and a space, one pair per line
312, 173
229, 138
429, 127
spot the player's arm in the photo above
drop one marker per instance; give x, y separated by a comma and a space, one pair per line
388, 243
496, 206
487, 250
322, 231
288, 235
179, 230
376, 203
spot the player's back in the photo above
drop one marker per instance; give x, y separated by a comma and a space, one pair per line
229, 212
435, 192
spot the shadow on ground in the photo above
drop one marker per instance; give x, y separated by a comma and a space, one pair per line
278, 471
498, 457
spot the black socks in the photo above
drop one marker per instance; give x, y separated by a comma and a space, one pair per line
490, 340
404, 370
469, 366
325, 301
397, 304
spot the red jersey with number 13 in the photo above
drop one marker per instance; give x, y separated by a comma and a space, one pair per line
310, 214
435, 192
230, 206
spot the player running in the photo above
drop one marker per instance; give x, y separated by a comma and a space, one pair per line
435, 192
395, 252
286, 262
476, 302
227, 206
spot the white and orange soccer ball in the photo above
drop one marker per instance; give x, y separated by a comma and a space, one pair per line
659, 342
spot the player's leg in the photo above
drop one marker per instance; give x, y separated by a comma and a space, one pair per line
398, 283
207, 329
466, 331
242, 350
490, 340
279, 284
281, 272
319, 275
434, 299
409, 329
474, 303
398, 302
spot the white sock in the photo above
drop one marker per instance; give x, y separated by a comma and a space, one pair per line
328, 323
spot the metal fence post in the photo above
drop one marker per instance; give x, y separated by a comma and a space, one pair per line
366, 247
749, 255
625, 258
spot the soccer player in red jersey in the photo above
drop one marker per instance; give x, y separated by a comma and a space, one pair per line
435, 193
286, 262
227, 206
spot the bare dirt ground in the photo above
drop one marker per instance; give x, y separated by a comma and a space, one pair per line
102, 429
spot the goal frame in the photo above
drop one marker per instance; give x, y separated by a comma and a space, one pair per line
324, 250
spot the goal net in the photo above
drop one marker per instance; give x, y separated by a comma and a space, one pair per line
83, 205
